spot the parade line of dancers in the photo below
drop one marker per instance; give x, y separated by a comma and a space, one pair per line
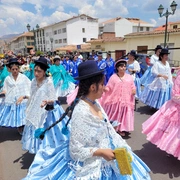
81, 142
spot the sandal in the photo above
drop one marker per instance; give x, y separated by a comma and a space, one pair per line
121, 133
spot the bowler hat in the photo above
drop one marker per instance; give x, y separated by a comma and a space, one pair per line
120, 61
56, 58
164, 51
158, 47
133, 53
42, 60
99, 53
88, 69
13, 61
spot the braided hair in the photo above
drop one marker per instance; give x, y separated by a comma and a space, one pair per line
84, 86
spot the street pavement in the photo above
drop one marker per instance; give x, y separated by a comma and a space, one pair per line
14, 162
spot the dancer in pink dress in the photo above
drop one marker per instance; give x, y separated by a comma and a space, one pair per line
163, 127
118, 100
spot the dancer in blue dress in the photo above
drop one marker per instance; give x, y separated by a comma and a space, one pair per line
30, 72
89, 153
62, 80
158, 91
133, 67
110, 66
148, 77
3, 73
42, 111
16, 88
77, 61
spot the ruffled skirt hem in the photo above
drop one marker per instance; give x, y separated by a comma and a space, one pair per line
56, 164
53, 138
12, 115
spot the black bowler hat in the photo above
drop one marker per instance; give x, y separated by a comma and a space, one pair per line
13, 61
133, 53
42, 60
164, 51
158, 47
99, 53
88, 69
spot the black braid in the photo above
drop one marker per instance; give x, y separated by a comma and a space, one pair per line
84, 86
68, 109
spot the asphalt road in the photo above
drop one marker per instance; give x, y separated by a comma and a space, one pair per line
14, 162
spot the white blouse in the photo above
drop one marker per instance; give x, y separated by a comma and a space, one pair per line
154, 59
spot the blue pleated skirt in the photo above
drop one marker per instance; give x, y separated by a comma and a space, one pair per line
147, 77
56, 164
12, 115
137, 83
155, 98
52, 138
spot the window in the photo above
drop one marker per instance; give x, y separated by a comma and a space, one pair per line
84, 40
59, 31
83, 30
55, 32
47, 34
63, 30
64, 40
60, 40
28, 43
147, 28
141, 28
83, 18
56, 41
175, 27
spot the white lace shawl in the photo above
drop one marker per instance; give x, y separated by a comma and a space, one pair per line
15, 89
89, 133
154, 59
34, 113
160, 82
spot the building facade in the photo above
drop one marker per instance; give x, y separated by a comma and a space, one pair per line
74, 31
22, 44
122, 26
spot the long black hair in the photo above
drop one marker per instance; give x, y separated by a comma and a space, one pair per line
84, 86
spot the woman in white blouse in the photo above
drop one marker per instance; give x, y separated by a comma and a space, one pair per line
42, 110
89, 154
148, 77
16, 88
133, 67
158, 92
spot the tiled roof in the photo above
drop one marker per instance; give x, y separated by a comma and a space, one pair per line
69, 20
133, 20
107, 39
153, 32
86, 46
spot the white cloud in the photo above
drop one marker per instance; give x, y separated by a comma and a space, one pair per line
14, 19
154, 22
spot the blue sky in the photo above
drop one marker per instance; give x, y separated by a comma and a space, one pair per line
16, 14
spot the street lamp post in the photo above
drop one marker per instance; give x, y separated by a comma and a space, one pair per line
51, 39
166, 14
34, 31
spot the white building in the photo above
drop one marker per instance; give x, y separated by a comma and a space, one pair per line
122, 26
74, 31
